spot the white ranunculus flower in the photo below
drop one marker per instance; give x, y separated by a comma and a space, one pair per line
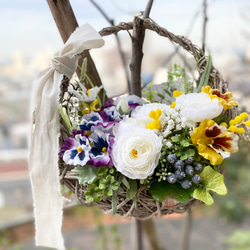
141, 113
136, 151
196, 107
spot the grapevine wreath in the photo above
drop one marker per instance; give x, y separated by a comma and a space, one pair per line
139, 158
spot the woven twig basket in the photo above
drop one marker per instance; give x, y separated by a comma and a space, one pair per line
146, 205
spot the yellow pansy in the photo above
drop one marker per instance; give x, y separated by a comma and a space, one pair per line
212, 139
226, 99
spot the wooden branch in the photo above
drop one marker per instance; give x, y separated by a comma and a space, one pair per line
111, 21
66, 23
204, 25
137, 55
137, 51
64, 17
151, 232
135, 88
139, 245
148, 9
186, 231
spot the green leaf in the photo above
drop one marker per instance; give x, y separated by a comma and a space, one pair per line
161, 96
190, 152
102, 172
63, 190
83, 70
184, 143
86, 174
93, 193
150, 85
114, 202
211, 181
132, 191
184, 157
203, 195
168, 92
120, 190
74, 125
178, 153
223, 117
108, 185
160, 191
206, 74
125, 182
65, 117
175, 139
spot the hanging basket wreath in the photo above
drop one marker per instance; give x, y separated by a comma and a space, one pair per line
142, 159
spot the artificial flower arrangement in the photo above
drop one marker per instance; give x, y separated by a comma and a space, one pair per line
175, 151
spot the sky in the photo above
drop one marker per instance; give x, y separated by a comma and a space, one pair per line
27, 26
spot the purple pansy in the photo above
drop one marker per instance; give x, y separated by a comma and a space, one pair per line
100, 151
113, 114
68, 143
134, 101
109, 103
76, 149
90, 120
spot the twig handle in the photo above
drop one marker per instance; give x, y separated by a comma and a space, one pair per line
215, 80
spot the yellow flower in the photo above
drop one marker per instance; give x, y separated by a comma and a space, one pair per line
240, 131
177, 93
232, 122
223, 124
232, 128
243, 115
238, 119
225, 99
86, 108
248, 123
213, 140
173, 105
156, 124
93, 105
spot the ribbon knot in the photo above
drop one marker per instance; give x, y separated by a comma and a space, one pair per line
65, 65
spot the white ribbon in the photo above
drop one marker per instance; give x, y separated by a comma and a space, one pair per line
43, 155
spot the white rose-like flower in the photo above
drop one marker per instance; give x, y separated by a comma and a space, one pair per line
136, 151
196, 107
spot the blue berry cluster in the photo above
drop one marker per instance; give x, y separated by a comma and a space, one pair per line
185, 172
